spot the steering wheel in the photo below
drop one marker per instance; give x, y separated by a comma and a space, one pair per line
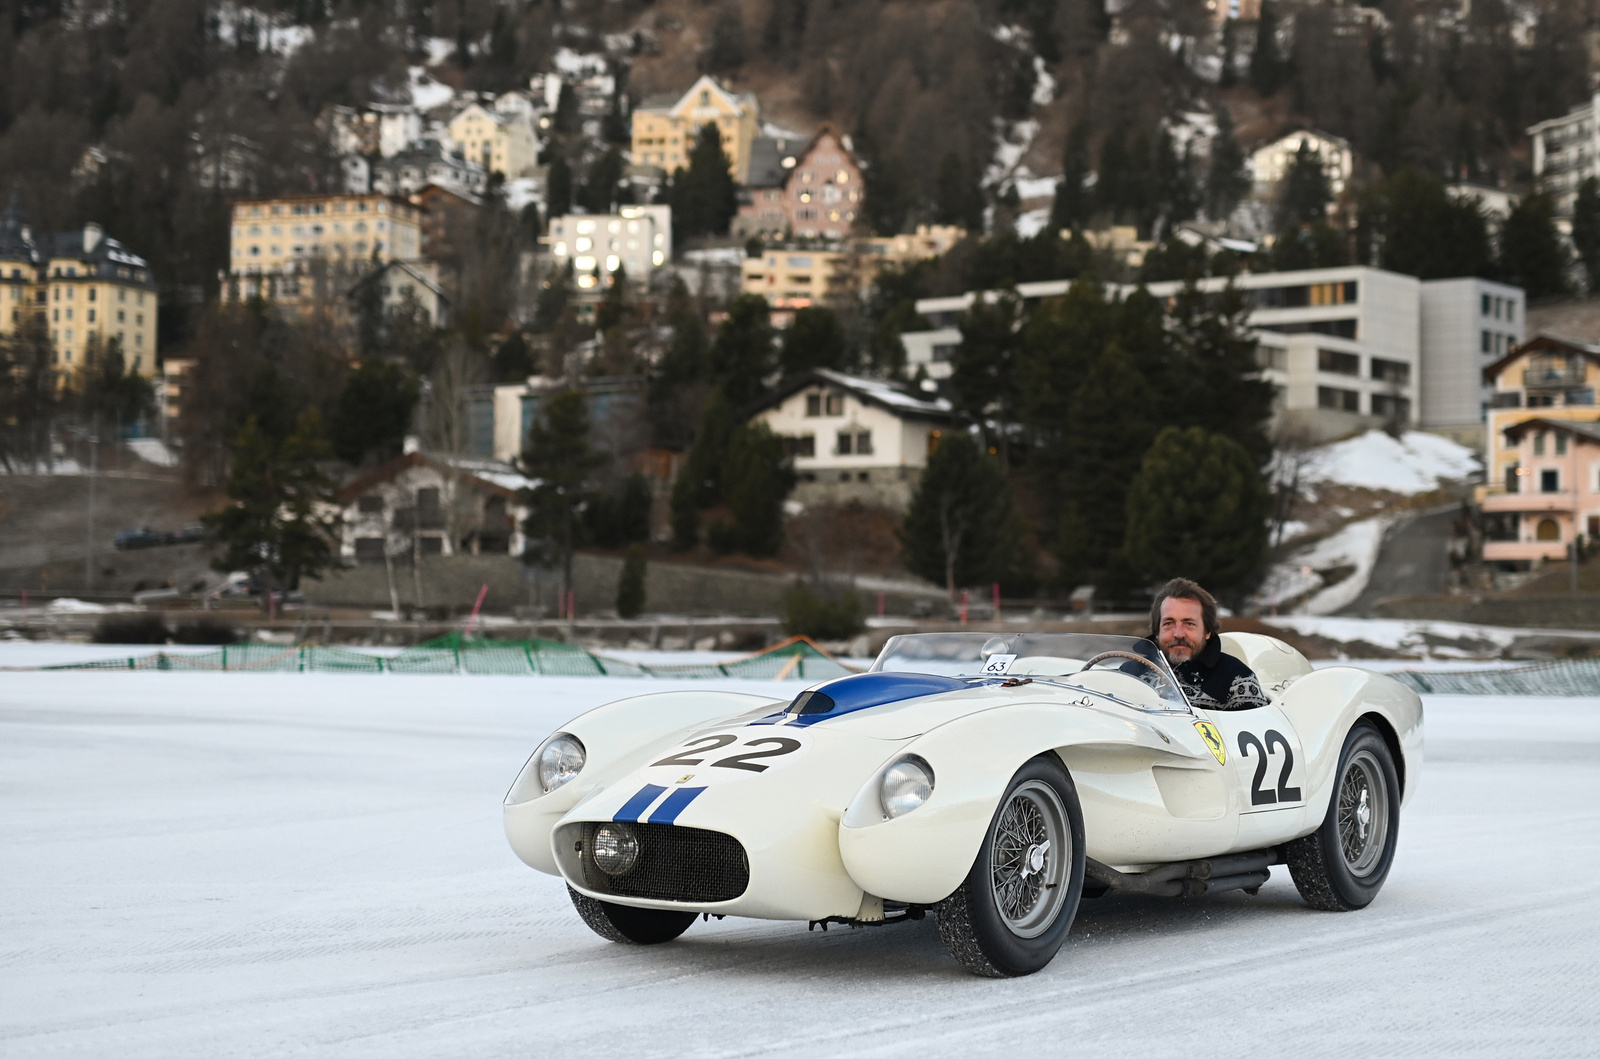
1103, 655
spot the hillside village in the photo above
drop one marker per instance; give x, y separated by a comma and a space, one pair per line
621, 294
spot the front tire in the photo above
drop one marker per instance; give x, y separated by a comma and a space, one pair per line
1342, 865
624, 923
1011, 914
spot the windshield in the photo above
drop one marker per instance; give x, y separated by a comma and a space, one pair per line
1056, 657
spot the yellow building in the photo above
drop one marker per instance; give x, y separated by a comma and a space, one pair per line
665, 128
83, 289
304, 249
795, 279
1542, 484
501, 143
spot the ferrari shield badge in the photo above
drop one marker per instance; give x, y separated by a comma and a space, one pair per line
1213, 738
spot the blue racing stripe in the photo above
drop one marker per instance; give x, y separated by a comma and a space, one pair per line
636, 806
675, 803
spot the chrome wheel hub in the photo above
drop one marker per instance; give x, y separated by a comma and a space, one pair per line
1363, 814
1029, 858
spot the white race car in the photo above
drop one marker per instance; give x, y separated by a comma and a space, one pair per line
994, 780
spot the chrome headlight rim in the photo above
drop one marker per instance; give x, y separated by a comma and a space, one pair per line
905, 786
559, 760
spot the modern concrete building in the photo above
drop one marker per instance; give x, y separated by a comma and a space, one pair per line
1566, 151
1344, 346
1467, 325
635, 238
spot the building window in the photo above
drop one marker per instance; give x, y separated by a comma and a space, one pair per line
1549, 481
1548, 530
864, 443
804, 445
370, 505
1338, 363
1338, 400
836, 404
1561, 444
1484, 303
1485, 341
1391, 407
1538, 444
813, 404
91, 293
369, 549
432, 545
844, 444
1395, 371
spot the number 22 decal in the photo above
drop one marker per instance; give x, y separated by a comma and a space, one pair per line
693, 754
1284, 793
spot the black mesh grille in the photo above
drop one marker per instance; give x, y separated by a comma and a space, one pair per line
675, 864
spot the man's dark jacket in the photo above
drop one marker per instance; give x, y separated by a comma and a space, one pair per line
1215, 680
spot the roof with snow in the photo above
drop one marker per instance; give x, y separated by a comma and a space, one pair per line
889, 396
491, 475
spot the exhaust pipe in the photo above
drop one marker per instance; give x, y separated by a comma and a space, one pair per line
1193, 878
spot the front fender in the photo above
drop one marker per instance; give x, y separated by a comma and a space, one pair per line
617, 738
921, 857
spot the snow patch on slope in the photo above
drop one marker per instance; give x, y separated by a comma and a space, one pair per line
1414, 463
1298, 581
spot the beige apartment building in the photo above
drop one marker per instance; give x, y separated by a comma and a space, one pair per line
83, 288
500, 143
300, 249
665, 127
796, 279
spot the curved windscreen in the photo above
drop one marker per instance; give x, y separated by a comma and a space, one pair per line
1056, 657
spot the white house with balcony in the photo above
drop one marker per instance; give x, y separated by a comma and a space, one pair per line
853, 438
1566, 152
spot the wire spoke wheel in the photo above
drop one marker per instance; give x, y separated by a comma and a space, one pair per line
1363, 819
1030, 856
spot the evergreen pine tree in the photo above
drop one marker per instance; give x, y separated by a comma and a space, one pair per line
273, 526
1268, 71
1586, 230
1072, 205
1305, 193
702, 195
1531, 252
1197, 509
1227, 182
986, 383
558, 186
960, 529
557, 455
815, 339
756, 478
630, 585
742, 356
373, 412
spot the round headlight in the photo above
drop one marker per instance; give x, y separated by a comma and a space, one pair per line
906, 784
560, 759
616, 849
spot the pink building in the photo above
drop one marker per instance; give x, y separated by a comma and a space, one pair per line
1551, 492
815, 192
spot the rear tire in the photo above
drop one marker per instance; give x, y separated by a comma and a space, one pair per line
1011, 914
1342, 865
624, 923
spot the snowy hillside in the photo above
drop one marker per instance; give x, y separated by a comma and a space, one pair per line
1414, 463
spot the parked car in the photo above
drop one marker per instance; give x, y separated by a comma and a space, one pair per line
991, 780
143, 537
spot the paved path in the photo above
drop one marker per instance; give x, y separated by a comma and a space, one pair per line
312, 865
1413, 560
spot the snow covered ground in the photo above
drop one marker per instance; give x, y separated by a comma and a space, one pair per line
1355, 547
1412, 464
216, 865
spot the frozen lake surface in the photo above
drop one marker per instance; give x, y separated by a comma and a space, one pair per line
209, 865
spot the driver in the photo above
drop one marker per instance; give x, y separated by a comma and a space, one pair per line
1183, 623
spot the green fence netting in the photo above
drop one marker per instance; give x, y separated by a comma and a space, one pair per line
1577, 676
794, 659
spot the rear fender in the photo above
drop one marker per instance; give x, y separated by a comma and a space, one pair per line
617, 738
922, 856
